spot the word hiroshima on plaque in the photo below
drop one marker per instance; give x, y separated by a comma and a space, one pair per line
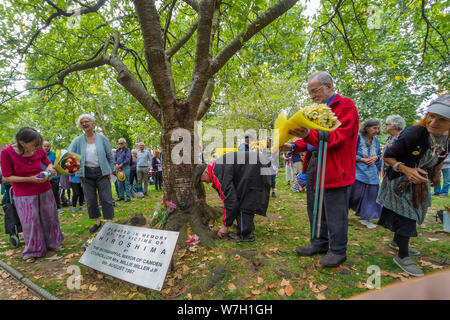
137, 255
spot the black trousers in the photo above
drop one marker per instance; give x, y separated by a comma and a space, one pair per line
77, 194
133, 175
334, 221
92, 183
55, 190
158, 180
245, 224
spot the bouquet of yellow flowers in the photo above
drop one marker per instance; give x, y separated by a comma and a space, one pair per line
314, 116
321, 115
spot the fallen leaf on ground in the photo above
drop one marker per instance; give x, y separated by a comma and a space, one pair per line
361, 285
237, 257
424, 263
55, 257
393, 275
433, 239
260, 280
322, 287
285, 283
256, 292
321, 296
231, 287
93, 287
8, 253
289, 290
202, 266
281, 292
185, 270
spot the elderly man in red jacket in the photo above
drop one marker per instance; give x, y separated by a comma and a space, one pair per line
339, 171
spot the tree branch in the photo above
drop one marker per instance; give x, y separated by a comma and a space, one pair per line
169, 17
60, 13
180, 43
202, 62
261, 22
193, 4
428, 28
334, 14
154, 51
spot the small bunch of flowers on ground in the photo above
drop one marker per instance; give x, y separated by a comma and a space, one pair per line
161, 215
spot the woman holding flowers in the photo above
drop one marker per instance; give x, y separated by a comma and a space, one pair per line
97, 164
33, 196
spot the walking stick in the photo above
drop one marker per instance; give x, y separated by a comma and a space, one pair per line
317, 184
325, 137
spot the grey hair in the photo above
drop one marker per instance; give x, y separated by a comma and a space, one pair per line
324, 78
396, 121
369, 123
84, 115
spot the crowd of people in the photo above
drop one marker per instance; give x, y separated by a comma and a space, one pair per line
38, 200
411, 158
356, 163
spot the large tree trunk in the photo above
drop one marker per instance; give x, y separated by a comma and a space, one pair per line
192, 210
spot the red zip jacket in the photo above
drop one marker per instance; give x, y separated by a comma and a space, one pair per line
341, 155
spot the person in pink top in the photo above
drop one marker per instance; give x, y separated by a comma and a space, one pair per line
33, 196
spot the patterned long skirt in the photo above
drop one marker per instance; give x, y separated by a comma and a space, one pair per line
40, 223
363, 200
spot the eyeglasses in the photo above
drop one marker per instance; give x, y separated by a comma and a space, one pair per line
314, 91
121, 142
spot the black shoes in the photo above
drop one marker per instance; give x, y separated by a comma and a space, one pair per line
236, 238
310, 250
333, 260
95, 227
120, 199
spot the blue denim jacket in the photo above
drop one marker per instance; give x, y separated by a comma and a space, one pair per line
104, 153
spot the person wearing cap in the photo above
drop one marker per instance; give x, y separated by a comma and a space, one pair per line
414, 159
242, 180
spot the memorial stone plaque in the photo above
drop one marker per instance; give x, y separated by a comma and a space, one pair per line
137, 255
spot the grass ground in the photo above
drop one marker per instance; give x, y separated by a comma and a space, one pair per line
268, 268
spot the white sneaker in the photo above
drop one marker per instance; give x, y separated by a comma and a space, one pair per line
368, 224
